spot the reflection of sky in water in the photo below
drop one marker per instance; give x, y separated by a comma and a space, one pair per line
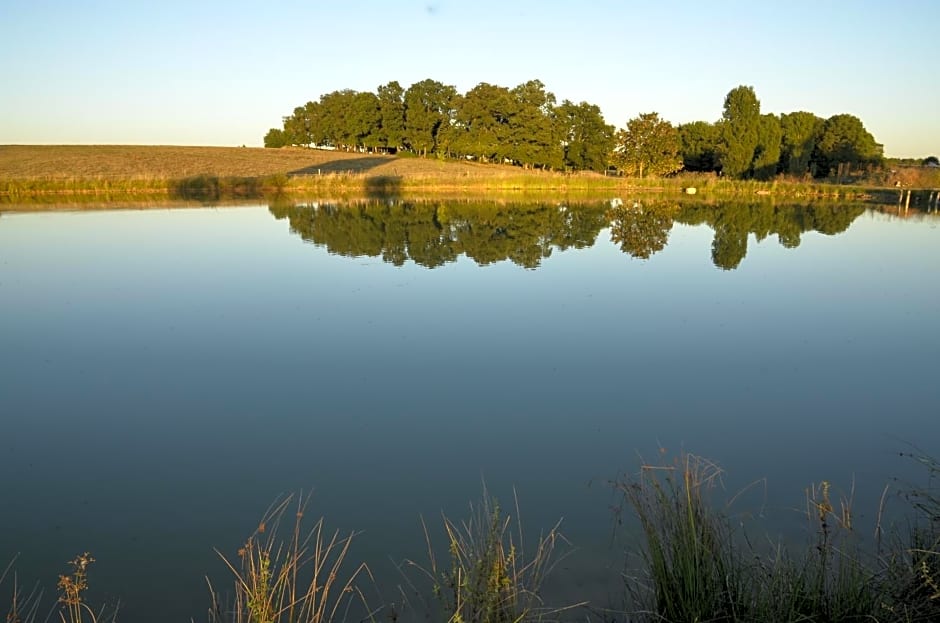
164, 375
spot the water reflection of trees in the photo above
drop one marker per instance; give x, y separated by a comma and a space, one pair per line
432, 234
733, 223
642, 229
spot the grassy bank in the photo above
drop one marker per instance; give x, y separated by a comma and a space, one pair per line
164, 172
696, 564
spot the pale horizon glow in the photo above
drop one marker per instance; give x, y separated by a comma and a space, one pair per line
212, 73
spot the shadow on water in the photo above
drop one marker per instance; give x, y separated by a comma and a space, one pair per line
383, 187
434, 233
210, 188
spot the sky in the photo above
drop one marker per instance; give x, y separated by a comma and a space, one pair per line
223, 73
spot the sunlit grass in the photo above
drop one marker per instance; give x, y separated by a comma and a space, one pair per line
487, 576
299, 577
119, 172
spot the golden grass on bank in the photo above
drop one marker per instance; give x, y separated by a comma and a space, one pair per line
298, 578
223, 173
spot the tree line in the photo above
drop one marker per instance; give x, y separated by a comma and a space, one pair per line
526, 126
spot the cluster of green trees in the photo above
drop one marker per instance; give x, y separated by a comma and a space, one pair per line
433, 234
746, 143
525, 125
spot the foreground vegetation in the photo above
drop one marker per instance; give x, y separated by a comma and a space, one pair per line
696, 566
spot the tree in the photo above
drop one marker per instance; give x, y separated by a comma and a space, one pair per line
297, 127
365, 120
799, 132
699, 145
428, 105
648, 146
585, 138
740, 125
481, 122
767, 153
931, 161
391, 135
845, 143
275, 138
531, 133
336, 124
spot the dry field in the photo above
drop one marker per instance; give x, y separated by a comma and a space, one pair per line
165, 162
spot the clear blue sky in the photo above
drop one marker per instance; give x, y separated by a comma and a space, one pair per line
222, 73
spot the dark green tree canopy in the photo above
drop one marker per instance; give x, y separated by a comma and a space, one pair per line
276, 138
844, 140
391, 132
739, 128
799, 133
767, 153
699, 146
586, 139
428, 106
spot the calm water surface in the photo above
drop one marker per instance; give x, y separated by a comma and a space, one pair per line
166, 374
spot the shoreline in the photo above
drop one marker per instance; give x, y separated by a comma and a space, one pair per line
36, 173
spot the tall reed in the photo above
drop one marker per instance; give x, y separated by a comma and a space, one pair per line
294, 579
699, 569
488, 577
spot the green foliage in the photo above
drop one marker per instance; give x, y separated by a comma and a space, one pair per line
275, 138
767, 153
524, 126
532, 134
494, 124
587, 140
391, 102
800, 132
482, 123
428, 106
692, 566
844, 140
740, 131
648, 146
699, 145
489, 578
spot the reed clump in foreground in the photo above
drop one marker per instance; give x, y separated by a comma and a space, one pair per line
71, 606
488, 577
297, 578
697, 568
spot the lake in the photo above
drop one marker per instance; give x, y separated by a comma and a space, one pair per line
166, 374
